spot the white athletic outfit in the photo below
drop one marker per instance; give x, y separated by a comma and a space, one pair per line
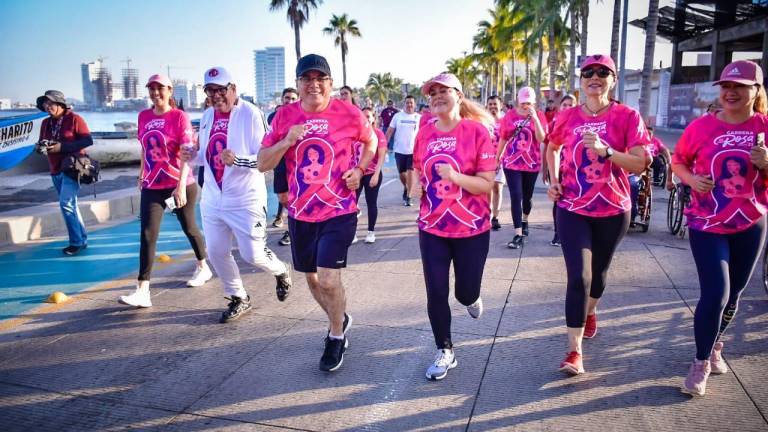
238, 209
405, 126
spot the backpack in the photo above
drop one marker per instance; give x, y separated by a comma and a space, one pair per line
82, 168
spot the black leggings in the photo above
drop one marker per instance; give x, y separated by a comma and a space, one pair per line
725, 263
371, 197
468, 255
521, 184
588, 245
152, 208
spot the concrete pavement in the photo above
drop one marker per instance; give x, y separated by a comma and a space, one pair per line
93, 364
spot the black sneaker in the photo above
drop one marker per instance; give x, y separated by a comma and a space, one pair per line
285, 240
284, 284
73, 250
525, 229
345, 327
237, 307
408, 202
333, 355
495, 225
555, 241
516, 243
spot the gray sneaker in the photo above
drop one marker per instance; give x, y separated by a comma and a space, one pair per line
444, 361
476, 308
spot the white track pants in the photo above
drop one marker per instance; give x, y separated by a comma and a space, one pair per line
249, 227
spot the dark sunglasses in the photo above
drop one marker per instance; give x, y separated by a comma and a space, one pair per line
210, 91
601, 72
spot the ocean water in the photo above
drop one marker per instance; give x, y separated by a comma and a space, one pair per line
101, 121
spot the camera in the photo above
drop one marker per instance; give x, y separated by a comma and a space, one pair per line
42, 146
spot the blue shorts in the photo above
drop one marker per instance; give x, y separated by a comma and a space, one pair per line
321, 244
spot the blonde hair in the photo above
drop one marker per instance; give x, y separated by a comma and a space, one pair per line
761, 101
474, 111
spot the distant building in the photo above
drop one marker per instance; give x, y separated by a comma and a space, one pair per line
181, 92
269, 72
130, 83
97, 84
196, 96
5, 104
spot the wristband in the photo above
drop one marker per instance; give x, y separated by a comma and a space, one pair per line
362, 171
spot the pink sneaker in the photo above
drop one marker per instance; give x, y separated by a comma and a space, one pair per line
590, 328
695, 383
716, 361
572, 364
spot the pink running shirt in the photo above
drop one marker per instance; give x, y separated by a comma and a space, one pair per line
316, 191
712, 147
426, 117
161, 137
447, 210
382, 139
656, 146
217, 142
524, 153
592, 185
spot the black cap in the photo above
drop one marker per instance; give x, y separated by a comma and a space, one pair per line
53, 96
312, 62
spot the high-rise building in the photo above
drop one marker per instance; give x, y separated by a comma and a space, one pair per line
196, 96
130, 81
181, 92
269, 71
97, 84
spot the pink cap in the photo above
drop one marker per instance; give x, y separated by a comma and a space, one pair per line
160, 79
599, 59
526, 95
742, 72
446, 79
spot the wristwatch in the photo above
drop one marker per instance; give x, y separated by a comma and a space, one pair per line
608, 152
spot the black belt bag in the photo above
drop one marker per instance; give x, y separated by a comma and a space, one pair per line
81, 168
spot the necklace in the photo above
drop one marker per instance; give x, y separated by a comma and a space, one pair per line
595, 113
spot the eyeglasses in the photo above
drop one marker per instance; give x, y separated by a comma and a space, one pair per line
601, 72
211, 91
305, 80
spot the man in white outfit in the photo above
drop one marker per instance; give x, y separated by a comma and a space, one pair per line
234, 199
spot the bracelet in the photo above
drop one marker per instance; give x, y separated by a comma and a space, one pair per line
362, 171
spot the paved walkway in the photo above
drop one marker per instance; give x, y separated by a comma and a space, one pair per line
93, 364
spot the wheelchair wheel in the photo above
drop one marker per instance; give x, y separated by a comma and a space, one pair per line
661, 176
674, 212
765, 270
644, 202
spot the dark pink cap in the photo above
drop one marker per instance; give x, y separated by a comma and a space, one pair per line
742, 72
599, 59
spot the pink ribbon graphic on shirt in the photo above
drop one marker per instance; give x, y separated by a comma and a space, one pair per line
521, 149
734, 188
157, 152
446, 194
314, 158
591, 170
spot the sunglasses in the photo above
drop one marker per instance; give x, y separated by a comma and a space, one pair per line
210, 91
305, 80
601, 72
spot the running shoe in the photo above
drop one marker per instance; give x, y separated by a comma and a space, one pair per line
201, 275
278, 222
345, 327
355, 239
495, 225
476, 308
333, 355
572, 364
236, 308
140, 298
716, 361
73, 250
408, 202
695, 383
444, 361
555, 241
285, 240
525, 229
370, 237
590, 328
283, 287
516, 243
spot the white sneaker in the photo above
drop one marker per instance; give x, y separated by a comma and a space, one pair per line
355, 240
370, 237
139, 298
476, 308
200, 277
444, 361
716, 360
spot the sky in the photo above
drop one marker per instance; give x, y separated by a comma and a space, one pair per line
44, 41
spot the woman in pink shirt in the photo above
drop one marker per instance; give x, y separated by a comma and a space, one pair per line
720, 157
371, 181
566, 102
591, 149
163, 129
455, 164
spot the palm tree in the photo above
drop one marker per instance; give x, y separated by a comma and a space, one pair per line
615, 29
650, 45
297, 13
380, 86
466, 71
341, 26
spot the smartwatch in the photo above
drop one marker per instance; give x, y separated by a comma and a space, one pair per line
608, 152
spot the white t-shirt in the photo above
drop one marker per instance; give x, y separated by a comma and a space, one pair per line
406, 125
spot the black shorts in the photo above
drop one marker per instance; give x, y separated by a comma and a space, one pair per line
280, 180
404, 162
321, 244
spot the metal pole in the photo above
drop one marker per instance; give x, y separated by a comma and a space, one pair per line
623, 55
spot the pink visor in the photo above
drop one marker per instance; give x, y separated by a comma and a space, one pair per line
446, 79
599, 59
742, 72
160, 79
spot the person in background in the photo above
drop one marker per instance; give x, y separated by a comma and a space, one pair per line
348, 95
403, 128
386, 117
371, 181
662, 158
62, 135
162, 131
280, 179
721, 158
493, 105
565, 103
550, 111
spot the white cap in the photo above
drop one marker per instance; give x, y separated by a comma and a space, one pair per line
217, 75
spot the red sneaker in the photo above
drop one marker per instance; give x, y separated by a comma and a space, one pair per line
572, 364
590, 328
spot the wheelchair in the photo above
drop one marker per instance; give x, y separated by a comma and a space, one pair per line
644, 198
659, 165
679, 199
